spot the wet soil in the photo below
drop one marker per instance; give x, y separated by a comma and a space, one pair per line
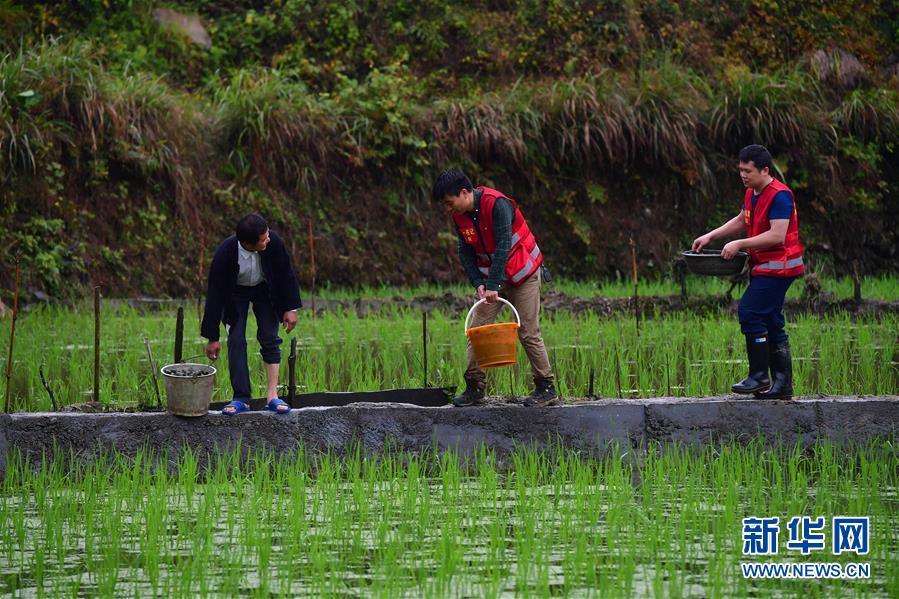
555, 301
187, 371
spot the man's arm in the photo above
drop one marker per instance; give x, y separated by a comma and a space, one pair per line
729, 229
212, 314
288, 288
503, 213
469, 261
773, 236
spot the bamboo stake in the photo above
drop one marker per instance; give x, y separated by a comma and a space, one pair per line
636, 298
200, 271
97, 343
292, 373
47, 387
618, 373
667, 374
312, 262
153, 370
12, 335
179, 334
424, 345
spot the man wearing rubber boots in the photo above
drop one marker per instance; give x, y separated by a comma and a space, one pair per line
251, 267
775, 259
501, 259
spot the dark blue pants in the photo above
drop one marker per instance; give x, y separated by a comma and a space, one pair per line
267, 321
761, 307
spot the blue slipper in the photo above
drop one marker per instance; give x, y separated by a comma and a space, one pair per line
277, 405
238, 407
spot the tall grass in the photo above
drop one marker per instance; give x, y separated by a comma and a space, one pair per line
870, 114
78, 139
783, 109
58, 96
658, 521
274, 126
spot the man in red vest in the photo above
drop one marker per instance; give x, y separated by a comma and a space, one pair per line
501, 259
769, 220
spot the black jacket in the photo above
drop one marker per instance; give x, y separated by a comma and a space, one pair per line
282, 283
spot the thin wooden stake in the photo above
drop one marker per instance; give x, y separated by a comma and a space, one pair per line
292, 373
424, 346
97, 343
667, 374
153, 370
179, 335
636, 297
12, 335
200, 278
312, 263
47, 387
618, 373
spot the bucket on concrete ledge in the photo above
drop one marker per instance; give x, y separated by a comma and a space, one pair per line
188, 388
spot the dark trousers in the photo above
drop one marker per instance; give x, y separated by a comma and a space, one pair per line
761, 307
267, 322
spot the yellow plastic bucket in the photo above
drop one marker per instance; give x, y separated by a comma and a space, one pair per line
494, 345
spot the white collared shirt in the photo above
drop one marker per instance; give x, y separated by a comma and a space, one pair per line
250, 264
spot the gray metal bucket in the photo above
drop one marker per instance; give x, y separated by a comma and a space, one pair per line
188, 388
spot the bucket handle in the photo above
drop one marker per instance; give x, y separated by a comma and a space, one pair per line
479, 302
186, 360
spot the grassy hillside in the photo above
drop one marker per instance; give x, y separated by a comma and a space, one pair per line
127, 151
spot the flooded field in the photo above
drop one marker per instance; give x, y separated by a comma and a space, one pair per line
656, 522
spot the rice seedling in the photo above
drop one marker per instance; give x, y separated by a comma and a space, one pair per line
881, 288
659, 520
680, 353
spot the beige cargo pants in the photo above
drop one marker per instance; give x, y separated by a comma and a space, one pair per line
526, 299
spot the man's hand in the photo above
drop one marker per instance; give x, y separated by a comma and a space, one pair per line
730, 250
701, 242
289, 319
212, 350
482, 291
491, 296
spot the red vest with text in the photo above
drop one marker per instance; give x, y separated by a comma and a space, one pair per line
783, 260
524, 255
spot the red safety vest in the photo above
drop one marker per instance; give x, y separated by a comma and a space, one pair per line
524, 255
783, 260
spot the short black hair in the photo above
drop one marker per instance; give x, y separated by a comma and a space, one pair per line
451, 182
758, 155
250, 228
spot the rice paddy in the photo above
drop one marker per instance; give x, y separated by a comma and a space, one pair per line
663, 520
677, 354
654, 521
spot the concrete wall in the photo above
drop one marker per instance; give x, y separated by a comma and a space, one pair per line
589, 426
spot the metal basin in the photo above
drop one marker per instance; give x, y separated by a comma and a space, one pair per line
709, 263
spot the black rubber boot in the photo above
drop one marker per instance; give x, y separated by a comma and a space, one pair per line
544, 395
757, 350
472, 396
781, 373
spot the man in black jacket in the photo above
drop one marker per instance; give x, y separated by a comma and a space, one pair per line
250, 267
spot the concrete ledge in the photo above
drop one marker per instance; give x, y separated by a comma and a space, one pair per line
589, 426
